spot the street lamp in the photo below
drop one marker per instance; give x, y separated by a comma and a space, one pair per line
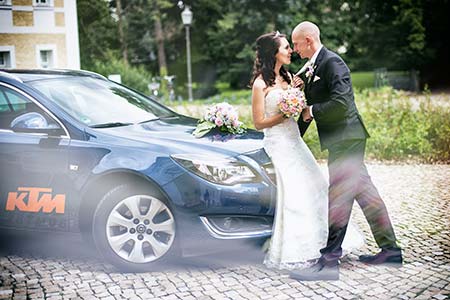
186, 16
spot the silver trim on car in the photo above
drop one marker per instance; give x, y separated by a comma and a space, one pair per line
220, 234
10, 76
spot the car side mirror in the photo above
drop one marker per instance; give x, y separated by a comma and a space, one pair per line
34, 122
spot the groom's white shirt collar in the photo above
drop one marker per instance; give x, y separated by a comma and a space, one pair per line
314, 57
310, 62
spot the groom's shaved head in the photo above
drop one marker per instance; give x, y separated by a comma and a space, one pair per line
306, 39
307, 28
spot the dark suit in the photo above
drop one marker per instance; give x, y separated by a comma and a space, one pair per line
342, 131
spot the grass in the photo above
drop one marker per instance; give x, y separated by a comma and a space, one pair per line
363, 80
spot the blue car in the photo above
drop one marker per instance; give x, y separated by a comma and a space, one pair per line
80, 153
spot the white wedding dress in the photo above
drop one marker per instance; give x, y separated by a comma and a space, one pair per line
300, 226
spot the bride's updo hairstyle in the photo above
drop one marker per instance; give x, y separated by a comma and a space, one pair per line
267, 46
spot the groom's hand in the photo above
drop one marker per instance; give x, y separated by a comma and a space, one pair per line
306, 116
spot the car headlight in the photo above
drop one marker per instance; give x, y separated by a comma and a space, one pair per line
217, 170
270, 171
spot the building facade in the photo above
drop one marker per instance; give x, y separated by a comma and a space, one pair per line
39, 34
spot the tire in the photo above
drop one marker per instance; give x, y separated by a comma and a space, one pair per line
134, 229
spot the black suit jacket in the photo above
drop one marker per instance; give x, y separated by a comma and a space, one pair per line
329, 90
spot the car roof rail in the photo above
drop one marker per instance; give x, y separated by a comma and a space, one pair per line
82, 72
10, 76
11, 72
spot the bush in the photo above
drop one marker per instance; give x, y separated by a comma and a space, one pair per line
402, 126
439, 137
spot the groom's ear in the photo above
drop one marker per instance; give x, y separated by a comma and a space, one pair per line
309, 40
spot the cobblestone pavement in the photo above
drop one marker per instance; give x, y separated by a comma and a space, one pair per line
417, 197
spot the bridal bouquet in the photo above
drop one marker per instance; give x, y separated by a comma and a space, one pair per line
222, 116
292, 102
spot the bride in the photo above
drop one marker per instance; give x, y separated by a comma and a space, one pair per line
300, 226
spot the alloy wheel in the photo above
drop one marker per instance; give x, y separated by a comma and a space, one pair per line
140, 229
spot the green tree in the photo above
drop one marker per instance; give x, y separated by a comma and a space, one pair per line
233, 26
97, 32
389, 34
396, 34
121, 28
434, 71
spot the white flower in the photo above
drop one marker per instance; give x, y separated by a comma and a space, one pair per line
223, 116
309, 71
305, 66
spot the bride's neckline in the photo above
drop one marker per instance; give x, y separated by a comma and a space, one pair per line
274, 89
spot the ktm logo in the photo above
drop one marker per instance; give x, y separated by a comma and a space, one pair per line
38, 198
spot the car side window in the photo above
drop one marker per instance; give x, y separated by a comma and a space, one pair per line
5, 106
15, 101
14, 106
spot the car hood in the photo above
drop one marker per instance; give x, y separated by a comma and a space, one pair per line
174, 135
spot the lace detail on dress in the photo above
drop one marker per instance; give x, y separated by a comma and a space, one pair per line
300, 226
289, 266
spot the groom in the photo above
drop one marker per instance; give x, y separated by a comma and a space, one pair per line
329, 92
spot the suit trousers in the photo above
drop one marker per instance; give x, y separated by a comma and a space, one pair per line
349, 181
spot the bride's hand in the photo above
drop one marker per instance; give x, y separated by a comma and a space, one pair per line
306, 116
297, 82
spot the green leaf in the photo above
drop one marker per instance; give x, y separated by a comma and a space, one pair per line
203, 128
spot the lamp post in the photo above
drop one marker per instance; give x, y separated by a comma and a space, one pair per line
186, 16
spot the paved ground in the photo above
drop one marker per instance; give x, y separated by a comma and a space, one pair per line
417, 196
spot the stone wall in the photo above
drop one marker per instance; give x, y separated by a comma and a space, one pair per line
25, 46
23, 18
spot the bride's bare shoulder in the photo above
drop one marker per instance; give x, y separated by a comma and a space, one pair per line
259, 84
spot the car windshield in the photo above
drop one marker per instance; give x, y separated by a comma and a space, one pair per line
100, 103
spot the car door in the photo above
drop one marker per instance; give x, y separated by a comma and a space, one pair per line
33, 164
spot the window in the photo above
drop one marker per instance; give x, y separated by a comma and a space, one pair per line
12, 101
14, 105
96, 101
46, 56
5, 59
4, 104
42, 3
5, 2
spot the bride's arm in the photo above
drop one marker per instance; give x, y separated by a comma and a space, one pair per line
259, 120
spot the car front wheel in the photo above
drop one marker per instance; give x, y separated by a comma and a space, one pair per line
133, 228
